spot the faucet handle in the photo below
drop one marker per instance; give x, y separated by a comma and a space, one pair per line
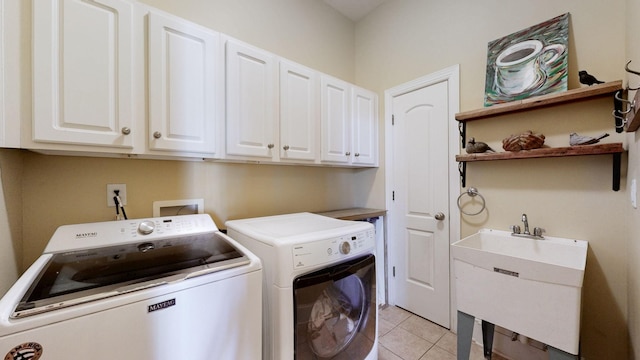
515, 229
538, 231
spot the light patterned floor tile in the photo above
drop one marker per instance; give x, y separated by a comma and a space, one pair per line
423, 328
405, 344
386, 354
394, 315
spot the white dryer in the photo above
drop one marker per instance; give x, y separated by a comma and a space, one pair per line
160, 288
319, 285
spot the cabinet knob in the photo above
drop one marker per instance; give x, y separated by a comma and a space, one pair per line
357, 154
270, 146
286, 147
439, 216
348, 153
157, 134
126, 131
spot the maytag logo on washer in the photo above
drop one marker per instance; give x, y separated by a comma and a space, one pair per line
86, 235
25, 351
161, 305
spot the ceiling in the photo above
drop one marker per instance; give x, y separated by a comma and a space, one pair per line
354, 9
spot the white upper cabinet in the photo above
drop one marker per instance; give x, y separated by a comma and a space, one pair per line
82, 73
299, 112
335, 120
10, 85
364, 127
349, 124
184, 80
251, 102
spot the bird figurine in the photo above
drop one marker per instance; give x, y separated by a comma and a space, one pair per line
588, 79
575, 139
474, 146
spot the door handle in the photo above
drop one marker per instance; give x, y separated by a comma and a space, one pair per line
439, 216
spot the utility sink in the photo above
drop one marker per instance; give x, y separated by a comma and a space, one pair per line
530, 286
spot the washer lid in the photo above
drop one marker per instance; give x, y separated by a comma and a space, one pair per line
80, 276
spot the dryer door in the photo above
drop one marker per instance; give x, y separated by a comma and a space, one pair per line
335, 311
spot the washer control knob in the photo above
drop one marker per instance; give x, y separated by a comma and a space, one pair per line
144, 247
146, 227
345, 248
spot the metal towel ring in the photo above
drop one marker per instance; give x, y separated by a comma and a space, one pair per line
472, 192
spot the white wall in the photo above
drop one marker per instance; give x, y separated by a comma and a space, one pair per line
633, 218
570, 197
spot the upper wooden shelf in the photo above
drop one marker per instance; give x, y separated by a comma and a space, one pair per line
568, 96
597, 149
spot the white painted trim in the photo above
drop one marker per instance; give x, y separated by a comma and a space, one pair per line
451, 75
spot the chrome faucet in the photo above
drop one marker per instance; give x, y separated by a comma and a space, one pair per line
537, 232
526, 224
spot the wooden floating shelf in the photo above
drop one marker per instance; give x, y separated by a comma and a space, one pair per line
568, 96
598, 149
634, 124
616, 149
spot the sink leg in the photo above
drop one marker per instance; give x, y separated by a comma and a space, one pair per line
487, 338
557, 354
465, 332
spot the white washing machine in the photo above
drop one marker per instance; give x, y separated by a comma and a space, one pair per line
319, 285
161, 288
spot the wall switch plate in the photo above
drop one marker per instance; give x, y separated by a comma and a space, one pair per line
110, 194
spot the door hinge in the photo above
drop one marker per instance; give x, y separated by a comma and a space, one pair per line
393, 120
393, 196
394, 271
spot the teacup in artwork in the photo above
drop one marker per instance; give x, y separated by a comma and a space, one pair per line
529, 62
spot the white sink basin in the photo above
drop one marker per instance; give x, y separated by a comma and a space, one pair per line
531, 286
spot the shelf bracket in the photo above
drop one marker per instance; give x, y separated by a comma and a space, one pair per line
617, 106
462, 169
617, 160
462, 128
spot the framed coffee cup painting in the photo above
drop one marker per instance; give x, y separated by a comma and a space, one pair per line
528, 63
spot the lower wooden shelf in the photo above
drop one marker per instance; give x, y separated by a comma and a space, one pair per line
598, 149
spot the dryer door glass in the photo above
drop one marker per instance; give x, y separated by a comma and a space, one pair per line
335, 311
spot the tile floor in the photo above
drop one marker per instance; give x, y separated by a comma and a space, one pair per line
405, 336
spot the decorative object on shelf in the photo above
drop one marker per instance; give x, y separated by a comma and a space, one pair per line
529, 62
588, 79
575, 139
472, 193
525, 141
474, 147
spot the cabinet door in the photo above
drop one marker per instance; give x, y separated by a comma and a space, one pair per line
82, 78
335, 120
365, 127
299, 115
10, 84
183, 84
251, 87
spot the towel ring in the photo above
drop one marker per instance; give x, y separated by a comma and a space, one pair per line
472, 192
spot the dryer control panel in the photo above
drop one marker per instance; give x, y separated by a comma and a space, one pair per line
330, 250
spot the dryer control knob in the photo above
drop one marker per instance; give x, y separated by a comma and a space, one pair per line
345, 248
146, 227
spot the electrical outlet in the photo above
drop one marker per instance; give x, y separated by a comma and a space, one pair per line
110, 194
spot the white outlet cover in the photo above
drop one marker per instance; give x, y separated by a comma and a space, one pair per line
111, 194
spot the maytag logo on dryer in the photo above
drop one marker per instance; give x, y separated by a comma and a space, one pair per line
86, 235
25, 351
161, 305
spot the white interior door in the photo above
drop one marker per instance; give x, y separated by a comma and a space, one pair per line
419, 221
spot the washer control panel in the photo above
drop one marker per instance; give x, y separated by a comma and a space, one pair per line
332, 249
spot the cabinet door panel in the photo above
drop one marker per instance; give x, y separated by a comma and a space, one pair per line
298, 112
365, 127
251, 102
336, 113
82, 60
182, 85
